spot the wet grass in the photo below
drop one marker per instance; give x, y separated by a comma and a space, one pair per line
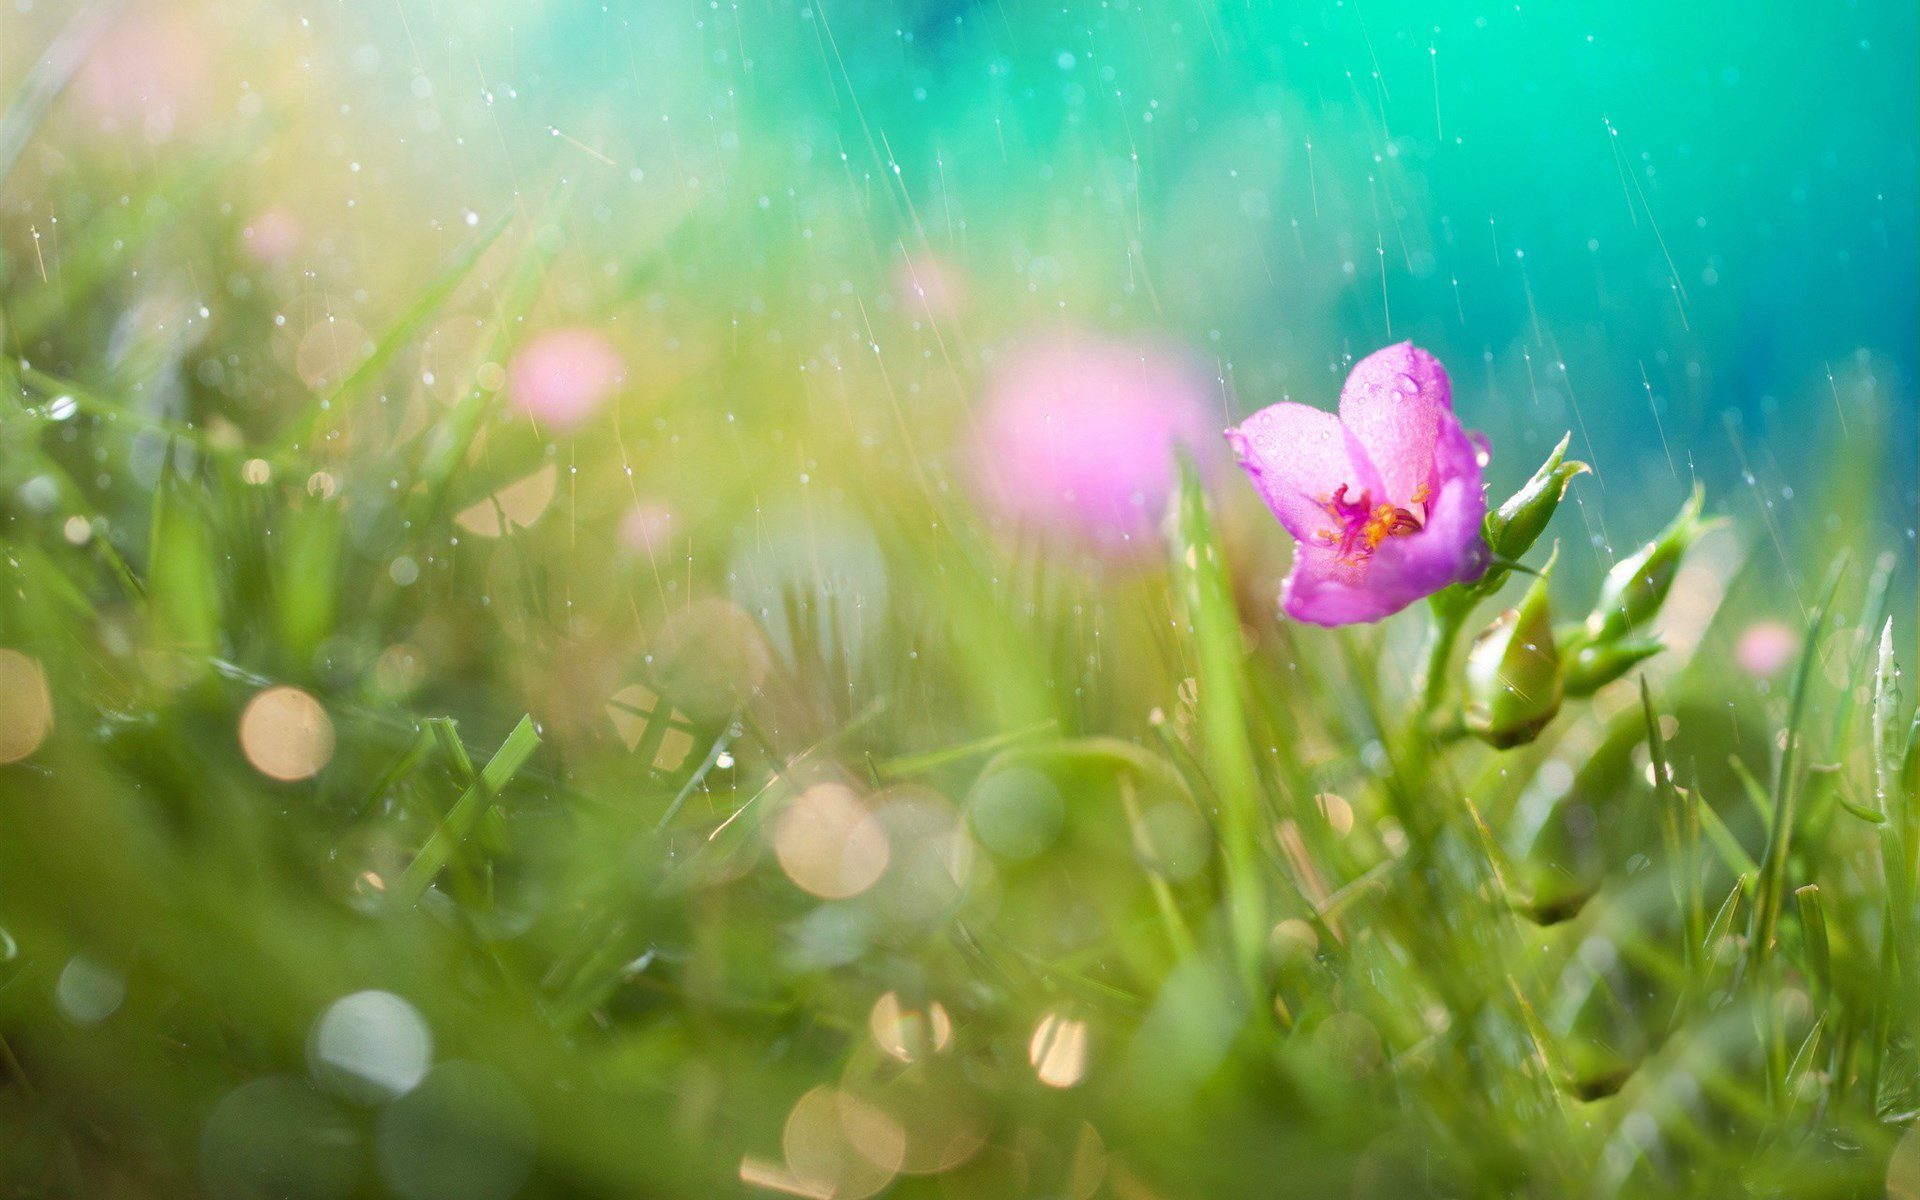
1127, 889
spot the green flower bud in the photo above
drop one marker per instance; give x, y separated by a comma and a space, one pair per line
1514, 684
1512, 528
1634, 589
1591, 667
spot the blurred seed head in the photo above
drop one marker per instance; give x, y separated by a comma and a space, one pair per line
813, 573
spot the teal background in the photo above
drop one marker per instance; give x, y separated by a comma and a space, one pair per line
1715, 202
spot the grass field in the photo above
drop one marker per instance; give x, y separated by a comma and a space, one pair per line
442, 761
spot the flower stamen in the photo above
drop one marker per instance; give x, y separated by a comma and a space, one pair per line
1363, 525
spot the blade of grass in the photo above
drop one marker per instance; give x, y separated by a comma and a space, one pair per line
920, 764
49, 77
1813, 931
466, 812
410, 322
1773, 865
1206, 601
1667, 801
103, 243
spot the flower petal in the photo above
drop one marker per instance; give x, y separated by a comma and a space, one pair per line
1449, 548
1394, 402
1325, 589
1298, 457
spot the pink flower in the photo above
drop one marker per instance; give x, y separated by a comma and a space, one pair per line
1385, 499
1765, 648
562, 377
1077, 436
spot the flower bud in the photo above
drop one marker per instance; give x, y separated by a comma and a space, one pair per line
1634, 589
1594, 666
1513, 527
1514, 684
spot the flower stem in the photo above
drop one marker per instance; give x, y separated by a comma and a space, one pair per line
1448, 619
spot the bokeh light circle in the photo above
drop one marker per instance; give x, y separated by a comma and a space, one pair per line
463, 1134
1016, 813
370, 1046
26, 708
841, 1145
286, 734
829, 844
88, 990
275, 1138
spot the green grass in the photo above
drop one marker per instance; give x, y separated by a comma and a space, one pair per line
1284, 928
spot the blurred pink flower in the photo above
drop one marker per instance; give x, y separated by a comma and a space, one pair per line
562, 377
1077, 433
1385, 499
647, 528
1765, 648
